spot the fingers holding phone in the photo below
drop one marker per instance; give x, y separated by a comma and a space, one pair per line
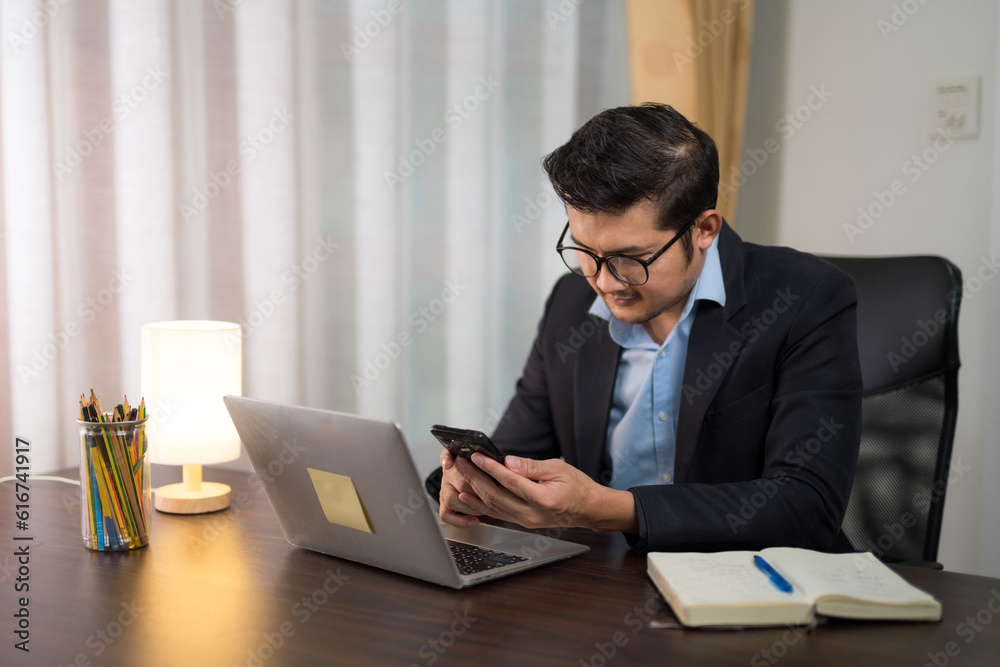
452, 510
460, 443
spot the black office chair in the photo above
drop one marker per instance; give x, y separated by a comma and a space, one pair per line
908, 340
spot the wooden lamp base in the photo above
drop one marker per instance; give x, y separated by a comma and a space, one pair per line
192, 496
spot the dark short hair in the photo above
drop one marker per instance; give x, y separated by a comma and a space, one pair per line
625, 155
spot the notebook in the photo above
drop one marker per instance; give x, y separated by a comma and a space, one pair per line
728, 588
346, 486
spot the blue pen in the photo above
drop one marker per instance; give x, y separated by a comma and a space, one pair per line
779, 581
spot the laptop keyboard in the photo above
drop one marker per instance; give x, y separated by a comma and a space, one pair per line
471, 559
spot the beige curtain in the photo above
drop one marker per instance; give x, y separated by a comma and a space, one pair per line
695, 56
356, 183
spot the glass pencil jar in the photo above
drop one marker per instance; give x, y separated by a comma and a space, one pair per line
114, 484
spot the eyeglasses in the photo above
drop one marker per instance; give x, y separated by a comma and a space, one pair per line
626, 268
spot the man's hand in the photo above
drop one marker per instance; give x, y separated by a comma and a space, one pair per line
538, 494
453, 484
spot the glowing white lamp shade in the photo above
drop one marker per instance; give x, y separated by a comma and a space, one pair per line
187, 367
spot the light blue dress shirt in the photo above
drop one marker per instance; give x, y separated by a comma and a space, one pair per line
642, 426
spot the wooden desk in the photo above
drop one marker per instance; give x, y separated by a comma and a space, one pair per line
226, 589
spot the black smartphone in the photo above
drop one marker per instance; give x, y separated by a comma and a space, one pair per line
465, 442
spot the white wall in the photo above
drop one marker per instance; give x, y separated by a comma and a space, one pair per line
857, 142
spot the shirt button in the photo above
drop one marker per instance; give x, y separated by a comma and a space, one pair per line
662, 354
667, 478
663, 416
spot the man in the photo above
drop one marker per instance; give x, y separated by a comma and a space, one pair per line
708, 397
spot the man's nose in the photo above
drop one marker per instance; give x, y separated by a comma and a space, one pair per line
607, 282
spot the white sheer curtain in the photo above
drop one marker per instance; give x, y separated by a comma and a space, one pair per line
357, 183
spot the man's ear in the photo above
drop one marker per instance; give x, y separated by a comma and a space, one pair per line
706, 228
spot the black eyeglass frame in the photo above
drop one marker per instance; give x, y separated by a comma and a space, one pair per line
601, 260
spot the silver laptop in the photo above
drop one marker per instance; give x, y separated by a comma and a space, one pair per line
346, 486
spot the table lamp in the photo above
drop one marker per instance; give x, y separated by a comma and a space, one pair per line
186, 369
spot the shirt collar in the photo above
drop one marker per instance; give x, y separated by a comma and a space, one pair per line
709, 287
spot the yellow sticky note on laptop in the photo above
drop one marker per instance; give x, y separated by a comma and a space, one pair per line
340, 500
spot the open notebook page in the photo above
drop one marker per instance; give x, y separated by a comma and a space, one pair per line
720, 578
858, 575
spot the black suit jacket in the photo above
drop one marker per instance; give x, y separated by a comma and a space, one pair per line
770, 415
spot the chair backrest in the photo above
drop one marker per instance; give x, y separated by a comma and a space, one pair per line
908, 341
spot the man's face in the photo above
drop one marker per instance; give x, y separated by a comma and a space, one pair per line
634, 232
